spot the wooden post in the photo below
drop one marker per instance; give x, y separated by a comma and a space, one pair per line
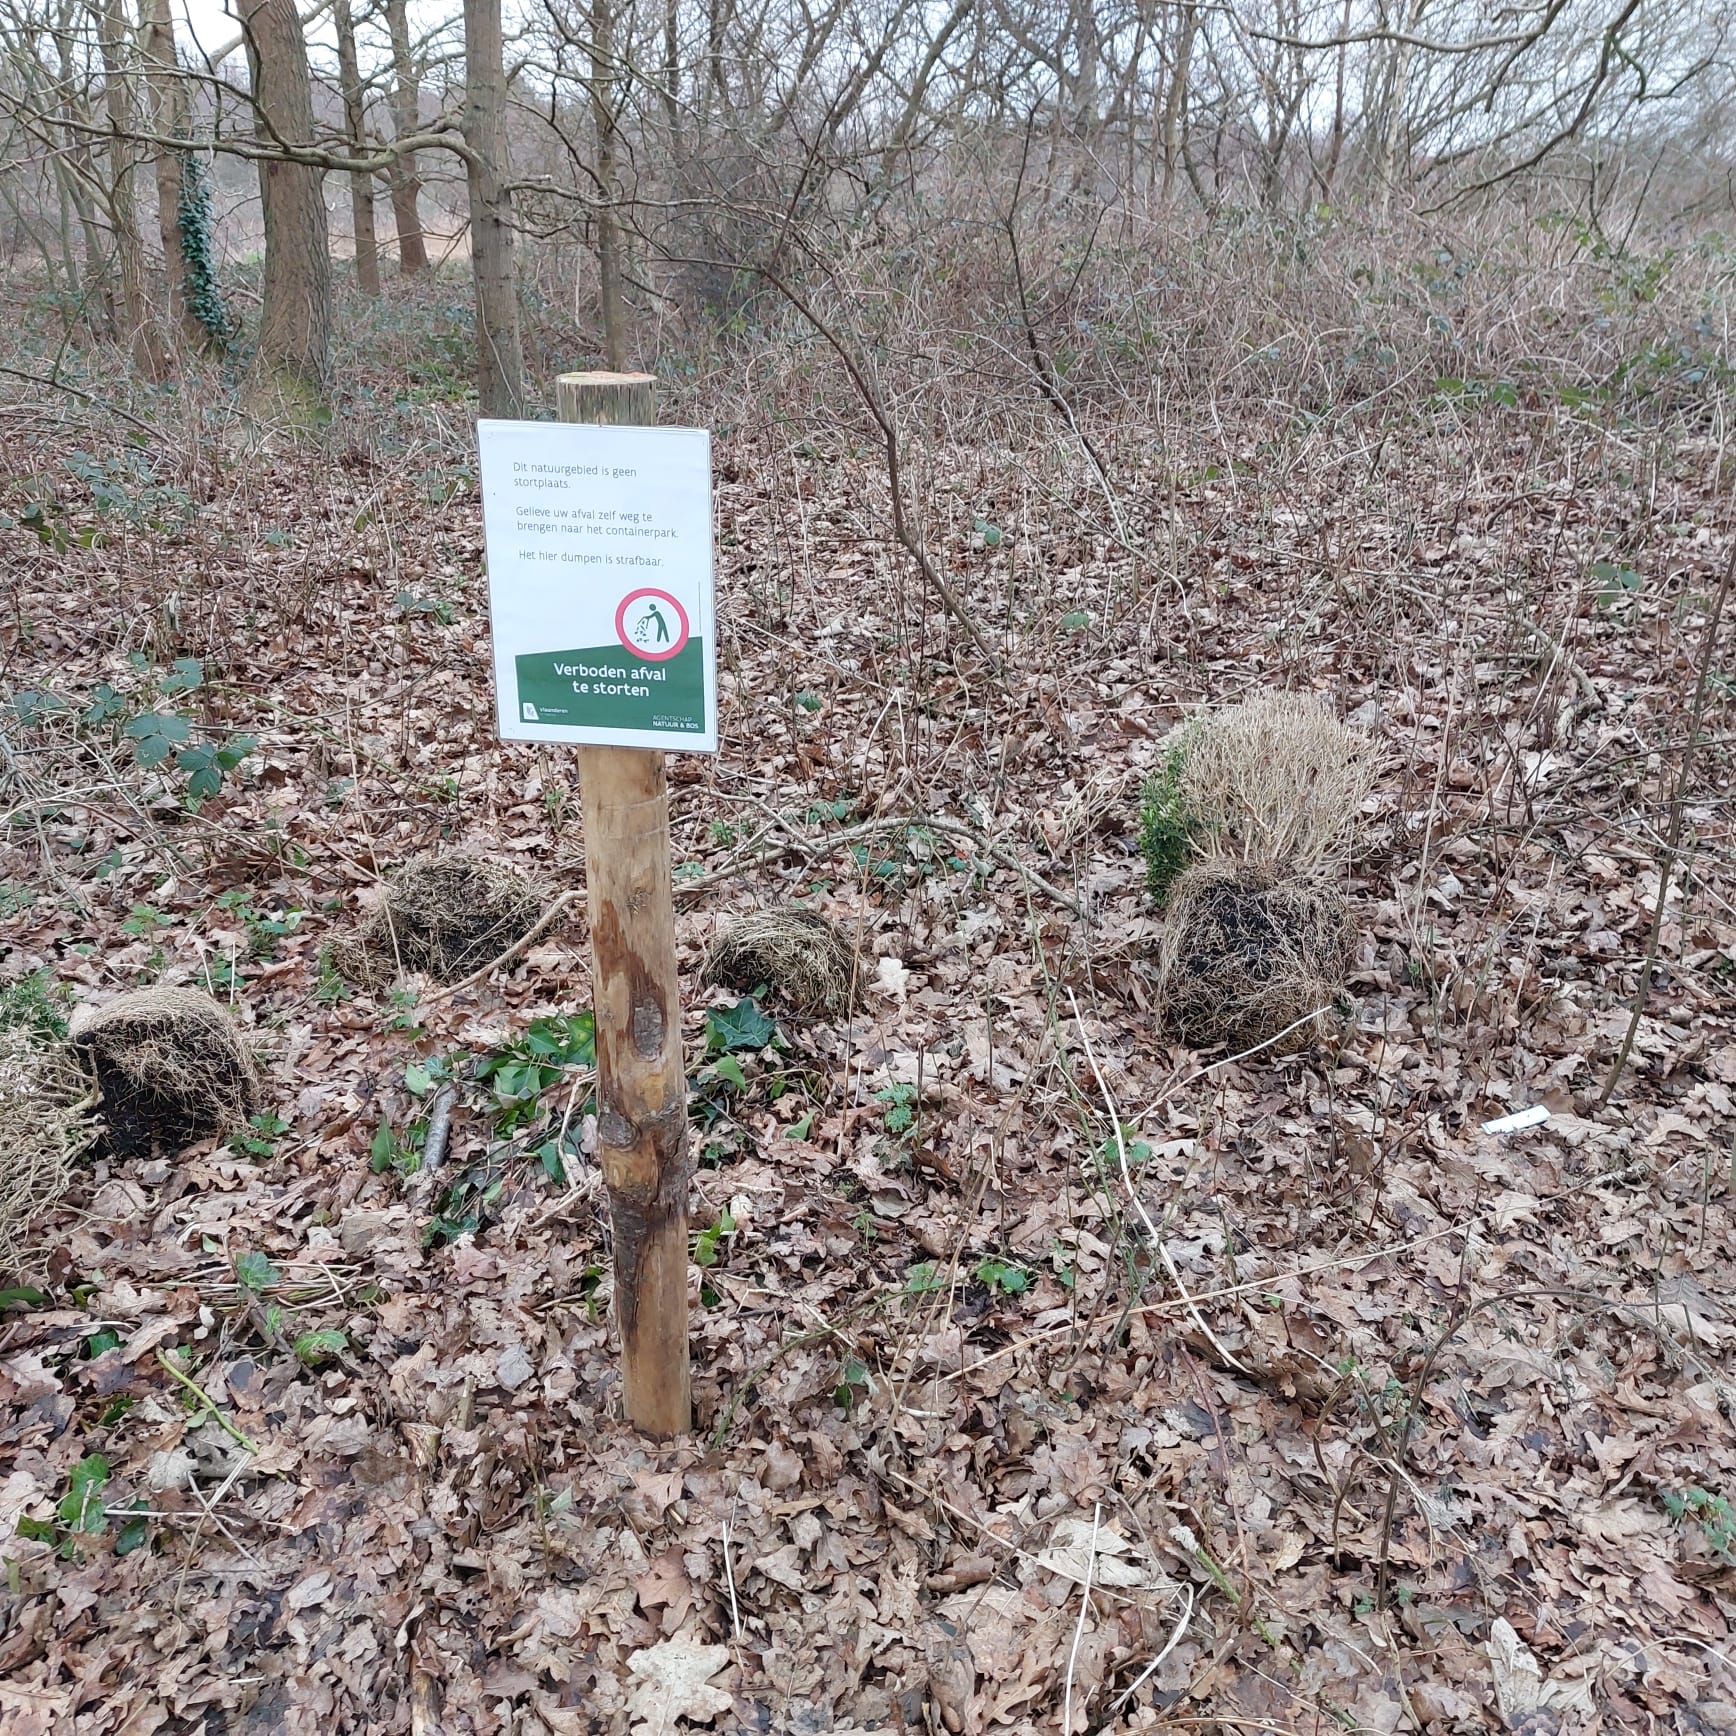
641, 1081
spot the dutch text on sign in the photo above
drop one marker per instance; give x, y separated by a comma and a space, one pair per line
600, 583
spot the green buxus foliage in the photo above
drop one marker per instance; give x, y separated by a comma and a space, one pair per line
1165, 831
198, 252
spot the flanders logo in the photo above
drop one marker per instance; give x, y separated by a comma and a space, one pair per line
528, 710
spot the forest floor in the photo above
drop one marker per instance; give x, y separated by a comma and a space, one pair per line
1403, 1426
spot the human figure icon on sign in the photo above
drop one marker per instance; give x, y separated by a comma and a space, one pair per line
651, 624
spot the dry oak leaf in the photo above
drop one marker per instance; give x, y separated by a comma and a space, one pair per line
1076, 1541
673, 1682
1521, 1687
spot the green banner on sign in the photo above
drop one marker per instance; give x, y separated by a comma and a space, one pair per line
604, 687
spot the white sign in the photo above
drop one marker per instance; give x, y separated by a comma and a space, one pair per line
600, 583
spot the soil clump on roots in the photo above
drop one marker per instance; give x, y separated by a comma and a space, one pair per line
797, 954
171, 1068
445, 912
1251, 958
45, 1125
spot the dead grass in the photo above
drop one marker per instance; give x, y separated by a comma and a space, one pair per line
797, 954
45, 1125
171, 1068
1276, 780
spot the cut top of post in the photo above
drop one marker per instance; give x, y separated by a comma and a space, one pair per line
602, 377
606, 398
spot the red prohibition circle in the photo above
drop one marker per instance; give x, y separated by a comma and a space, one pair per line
650, 593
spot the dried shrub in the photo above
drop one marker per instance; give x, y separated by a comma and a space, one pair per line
45, 1126
1248, 954
1277, 780
446, 912
797, 954
170, 1066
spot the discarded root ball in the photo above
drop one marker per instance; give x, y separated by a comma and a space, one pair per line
171, 1068
45, 1125
446, 912
1247, 956
797, 954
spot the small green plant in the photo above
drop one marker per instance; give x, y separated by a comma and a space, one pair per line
468, 1201
1165, 832
255, 1271
853, 1384
82, 1513
1004, 1279
708, 1242
436, 609
264, 930
900, 1101
1616, 582
1711, 1512
519, 1073
320, 1345
143, 922
35, 1003
923, 1279
745, 1026
331, 986
260, 1137
403, 1156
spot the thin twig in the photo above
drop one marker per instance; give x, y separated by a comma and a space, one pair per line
1151, 1230
1672, 845
729, 1580
206, 1400
1079, 1626
1169, 1645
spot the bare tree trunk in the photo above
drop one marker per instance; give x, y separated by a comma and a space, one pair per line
672, 76
608, 222
355, 124
169, 120
499, 347
138, 318
291, 373
406, 188
1175, 99
1335, 149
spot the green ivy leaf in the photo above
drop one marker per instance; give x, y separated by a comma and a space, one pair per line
81, 1507
728, 1067
253, 1271
746, 1025
320, 1345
